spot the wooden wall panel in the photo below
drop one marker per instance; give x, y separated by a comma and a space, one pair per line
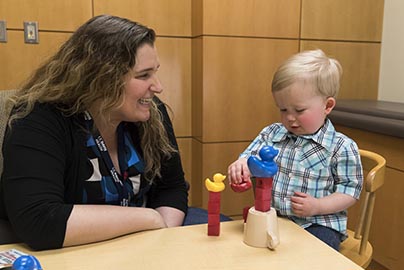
342, 19
197, 17
360, 63
21, 59
172, 18
197, 175
386, 234
197, 87
237, 73
175, 75
216, 159
50, 14
259, 18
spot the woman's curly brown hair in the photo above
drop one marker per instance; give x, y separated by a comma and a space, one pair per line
92, 65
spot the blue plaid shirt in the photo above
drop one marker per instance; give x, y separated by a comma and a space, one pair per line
319, 164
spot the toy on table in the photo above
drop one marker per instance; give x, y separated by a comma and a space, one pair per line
26, 262
261, 224
263, 170
214, 189
243, 186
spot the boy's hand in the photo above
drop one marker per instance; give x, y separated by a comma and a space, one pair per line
238, 172
304, 205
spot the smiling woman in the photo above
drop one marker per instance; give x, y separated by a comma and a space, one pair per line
90, 152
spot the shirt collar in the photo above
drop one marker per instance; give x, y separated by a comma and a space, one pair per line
324, 136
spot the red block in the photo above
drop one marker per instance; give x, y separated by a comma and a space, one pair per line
213, 207
214, 196
262, 205
213, 219
262, 194
214, 230
264, 182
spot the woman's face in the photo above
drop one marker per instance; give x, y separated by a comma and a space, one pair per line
140, 86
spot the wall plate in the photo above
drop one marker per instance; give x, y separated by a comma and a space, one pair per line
3, 31
31, 32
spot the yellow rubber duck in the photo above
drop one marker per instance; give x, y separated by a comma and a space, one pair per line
217, 185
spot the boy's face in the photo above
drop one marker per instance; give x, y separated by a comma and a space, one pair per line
302, 109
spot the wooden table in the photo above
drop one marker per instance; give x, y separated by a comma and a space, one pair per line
190, 248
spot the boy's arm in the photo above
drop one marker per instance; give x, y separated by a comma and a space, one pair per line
348, 186
304, 205
263, 138
238, 171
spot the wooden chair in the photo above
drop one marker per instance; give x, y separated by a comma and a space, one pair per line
357, 247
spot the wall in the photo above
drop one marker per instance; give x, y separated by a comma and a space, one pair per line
392, 55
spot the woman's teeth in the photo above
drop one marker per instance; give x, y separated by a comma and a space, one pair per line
145, 101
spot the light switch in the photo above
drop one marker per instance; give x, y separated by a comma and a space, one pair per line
3, 31
31, 32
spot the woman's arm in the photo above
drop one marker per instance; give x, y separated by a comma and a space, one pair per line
92, 223
33, 187
172, 216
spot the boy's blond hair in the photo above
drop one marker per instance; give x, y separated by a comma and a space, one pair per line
323, 72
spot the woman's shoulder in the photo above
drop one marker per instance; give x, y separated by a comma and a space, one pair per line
47, 115
44, 110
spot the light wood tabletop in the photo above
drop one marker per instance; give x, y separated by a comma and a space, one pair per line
191, 248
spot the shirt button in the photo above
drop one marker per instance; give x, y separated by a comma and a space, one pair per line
290, 175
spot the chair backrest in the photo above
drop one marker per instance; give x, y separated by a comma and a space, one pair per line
4, 114
374, 166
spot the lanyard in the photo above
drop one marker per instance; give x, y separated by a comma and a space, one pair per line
119, 180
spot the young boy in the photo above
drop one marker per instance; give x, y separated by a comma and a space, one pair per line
320, 172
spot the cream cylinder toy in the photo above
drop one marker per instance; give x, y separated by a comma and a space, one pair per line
261, 229
261, 223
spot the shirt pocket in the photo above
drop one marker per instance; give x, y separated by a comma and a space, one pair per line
313, 175
314, 157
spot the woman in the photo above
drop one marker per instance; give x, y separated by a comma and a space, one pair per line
86, 137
